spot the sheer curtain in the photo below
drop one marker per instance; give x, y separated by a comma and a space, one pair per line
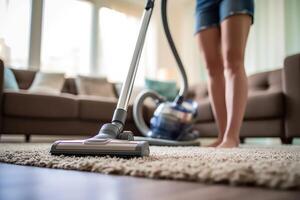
292, 26
266, 43
66, 37
274, 36
14, 32
118, 34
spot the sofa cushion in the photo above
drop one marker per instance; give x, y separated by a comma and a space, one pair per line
99, 108
265, 104
204, 110
269, 80
261, 105
48, 83
24, 77
167, 89
94, 86
25, 104
69, 86
10, 81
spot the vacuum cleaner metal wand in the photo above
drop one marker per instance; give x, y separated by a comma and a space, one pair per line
128, 84
111, 139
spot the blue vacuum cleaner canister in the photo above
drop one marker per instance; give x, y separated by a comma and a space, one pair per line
171, 121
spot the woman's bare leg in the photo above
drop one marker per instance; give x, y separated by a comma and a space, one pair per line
209, 41
234, 33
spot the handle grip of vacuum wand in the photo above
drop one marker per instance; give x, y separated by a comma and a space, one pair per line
149, 5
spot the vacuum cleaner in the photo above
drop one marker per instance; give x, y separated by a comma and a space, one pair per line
172, 122
112, 140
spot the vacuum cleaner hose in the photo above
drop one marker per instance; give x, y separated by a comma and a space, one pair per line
184, 88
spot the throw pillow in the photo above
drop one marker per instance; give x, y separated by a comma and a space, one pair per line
10, 81
167, 89
94, 86
47, 82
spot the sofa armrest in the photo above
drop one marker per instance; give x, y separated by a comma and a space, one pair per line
1, 91
291, 89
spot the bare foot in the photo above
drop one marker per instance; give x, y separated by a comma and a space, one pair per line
215, 143
229, 143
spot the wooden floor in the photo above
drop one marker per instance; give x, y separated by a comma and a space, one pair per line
32, 183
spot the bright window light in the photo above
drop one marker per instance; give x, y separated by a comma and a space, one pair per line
118, 35
14, 32
66, 36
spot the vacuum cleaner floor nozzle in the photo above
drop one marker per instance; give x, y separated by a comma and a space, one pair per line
101, 147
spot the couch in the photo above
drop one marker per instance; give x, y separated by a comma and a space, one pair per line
273, 107
28, 113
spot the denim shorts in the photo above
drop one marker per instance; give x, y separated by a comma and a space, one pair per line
211, 13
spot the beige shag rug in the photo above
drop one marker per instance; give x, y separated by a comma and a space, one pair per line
271, 167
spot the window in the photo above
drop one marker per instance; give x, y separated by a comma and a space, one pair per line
14, 32
118, 35
66, 36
